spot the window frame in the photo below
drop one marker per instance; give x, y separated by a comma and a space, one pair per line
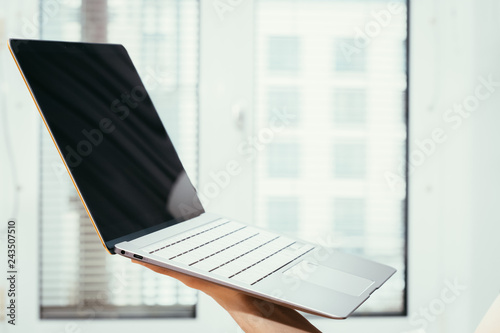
97, 308
405, 158
207, 313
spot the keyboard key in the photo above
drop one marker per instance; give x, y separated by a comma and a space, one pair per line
270, 264
199, 230
231, 250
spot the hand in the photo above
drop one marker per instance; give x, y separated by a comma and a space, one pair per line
246, 310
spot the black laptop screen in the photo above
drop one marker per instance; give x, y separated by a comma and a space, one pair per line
110, 136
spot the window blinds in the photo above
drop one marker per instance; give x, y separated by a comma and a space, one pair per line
78, 278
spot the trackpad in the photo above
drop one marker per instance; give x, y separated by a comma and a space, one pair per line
330, 278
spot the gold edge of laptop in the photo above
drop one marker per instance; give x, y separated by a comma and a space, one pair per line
57, 147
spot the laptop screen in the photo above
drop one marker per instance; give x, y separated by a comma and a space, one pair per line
110, 135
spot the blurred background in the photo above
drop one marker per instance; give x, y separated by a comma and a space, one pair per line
388, 151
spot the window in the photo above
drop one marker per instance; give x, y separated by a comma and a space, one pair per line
349, 107
349, 221
283, 160
78, 278
348, 56
284, 98
349, 160
283, 214
283, 53
349, 128
318, 176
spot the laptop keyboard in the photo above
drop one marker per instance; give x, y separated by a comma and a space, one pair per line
232, 250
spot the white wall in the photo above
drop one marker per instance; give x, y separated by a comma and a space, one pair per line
22, 124
486, 156
454, 222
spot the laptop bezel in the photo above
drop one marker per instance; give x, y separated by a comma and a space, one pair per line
13, 45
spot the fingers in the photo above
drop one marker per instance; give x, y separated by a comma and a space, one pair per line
152, 267
186, 279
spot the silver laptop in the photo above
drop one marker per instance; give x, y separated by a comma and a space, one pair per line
143, 205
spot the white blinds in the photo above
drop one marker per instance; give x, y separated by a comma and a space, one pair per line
78, 277
339, 67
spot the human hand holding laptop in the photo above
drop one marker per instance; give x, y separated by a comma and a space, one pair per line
245, 309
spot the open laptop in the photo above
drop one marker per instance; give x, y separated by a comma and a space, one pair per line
143, 205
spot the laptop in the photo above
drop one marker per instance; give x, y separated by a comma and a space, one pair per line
141, 201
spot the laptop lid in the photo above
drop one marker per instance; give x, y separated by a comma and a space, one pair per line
112, 141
